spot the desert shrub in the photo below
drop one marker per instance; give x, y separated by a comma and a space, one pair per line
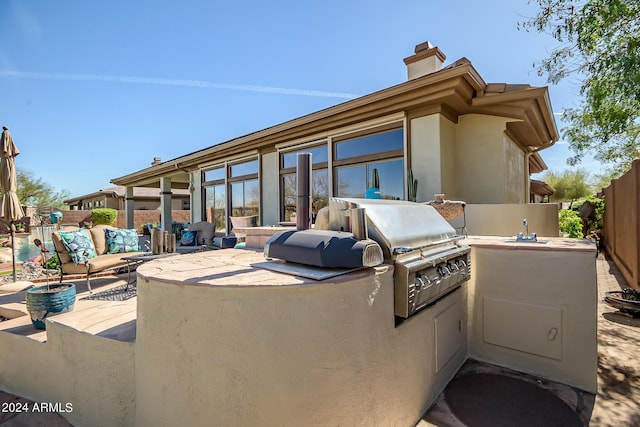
570, 223
105, 216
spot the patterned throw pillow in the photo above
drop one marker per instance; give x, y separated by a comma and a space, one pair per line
122, 240
189, 238
79, 245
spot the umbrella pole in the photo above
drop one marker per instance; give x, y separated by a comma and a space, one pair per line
13, 249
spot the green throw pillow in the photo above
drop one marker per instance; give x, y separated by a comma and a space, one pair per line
79, 245
122, 240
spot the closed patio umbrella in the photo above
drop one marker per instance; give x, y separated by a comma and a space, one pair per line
11, 208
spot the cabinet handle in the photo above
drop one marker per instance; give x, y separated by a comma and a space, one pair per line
553, 333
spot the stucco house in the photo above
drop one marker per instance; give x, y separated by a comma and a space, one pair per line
144, 198
459, 135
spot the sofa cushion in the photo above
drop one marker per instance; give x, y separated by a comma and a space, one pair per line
79, 245
61, 249
99, 263
121, 240
189, 238
99, 238
206, 231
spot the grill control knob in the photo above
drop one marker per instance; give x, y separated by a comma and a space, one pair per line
443, 270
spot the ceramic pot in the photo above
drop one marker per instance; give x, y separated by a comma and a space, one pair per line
43, 301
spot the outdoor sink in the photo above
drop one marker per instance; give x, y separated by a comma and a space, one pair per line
527, 241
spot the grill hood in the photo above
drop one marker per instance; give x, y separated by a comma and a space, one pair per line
398, 226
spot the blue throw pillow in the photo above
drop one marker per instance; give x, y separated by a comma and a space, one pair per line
79, 245
122, 240
189, 238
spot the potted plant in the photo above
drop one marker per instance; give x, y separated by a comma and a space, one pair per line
49, 299
373, 192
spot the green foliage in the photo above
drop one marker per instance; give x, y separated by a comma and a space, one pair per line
53, 263
34, 191
569, 185
600, 46
570, 223
594, 222
603, 180
106, 216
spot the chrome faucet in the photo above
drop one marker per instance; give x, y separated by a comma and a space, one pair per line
526, 237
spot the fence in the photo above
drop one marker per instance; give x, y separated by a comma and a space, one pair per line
621, 231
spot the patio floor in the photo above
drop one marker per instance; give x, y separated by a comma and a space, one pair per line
111, 313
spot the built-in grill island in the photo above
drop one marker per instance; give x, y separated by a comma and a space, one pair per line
427, 255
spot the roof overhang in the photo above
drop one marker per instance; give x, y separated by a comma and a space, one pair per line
541, 187
455, 90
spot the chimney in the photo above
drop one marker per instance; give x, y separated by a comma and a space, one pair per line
156, 161
426, 59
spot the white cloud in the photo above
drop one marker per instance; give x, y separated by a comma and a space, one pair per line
174, 82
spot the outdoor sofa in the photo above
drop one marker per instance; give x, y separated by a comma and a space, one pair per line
87, 251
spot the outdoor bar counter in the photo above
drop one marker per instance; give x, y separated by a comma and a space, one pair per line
532, 307
222, 342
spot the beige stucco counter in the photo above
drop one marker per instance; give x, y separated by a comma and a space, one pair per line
533, 307
546, 244
221, 342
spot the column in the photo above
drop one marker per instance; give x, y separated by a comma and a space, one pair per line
129, 208
165, 203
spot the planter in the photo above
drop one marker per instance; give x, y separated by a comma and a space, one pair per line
43, 301
373, 193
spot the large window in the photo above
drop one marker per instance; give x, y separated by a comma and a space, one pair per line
231, 190
216, 207
244, 188
355, 159
319, 177
215, 197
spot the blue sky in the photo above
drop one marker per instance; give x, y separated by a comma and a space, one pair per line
95, 90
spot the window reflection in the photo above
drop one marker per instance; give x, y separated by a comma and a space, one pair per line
214, 174
370, 144
353, 181
246, 168
216, 207
319, 189
245, 197
318, 155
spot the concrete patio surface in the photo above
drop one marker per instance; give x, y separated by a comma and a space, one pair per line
615, 404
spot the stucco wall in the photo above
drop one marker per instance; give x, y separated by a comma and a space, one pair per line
318, 353
506, 219
514, 181
95, 375
535, 310
425, 155
480, 157
448, 159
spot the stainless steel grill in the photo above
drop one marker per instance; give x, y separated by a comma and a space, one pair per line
428, 258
